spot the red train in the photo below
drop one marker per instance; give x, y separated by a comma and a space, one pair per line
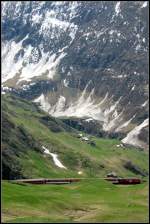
48, 181
114, 180
125, 181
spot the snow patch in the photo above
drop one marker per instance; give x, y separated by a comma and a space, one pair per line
85, 106
50, 21
143, 40
52, 26
138, 47
36, 69
124, 124
89, 119
144, 5
26, 87
5, 89
47, 65
133, 88
117, 8
111, 124
119, 76
36, 18
27, 65
145, 103
59, 107
43, 102
132, 136
9, 67
55, 158
115, 114
66, 83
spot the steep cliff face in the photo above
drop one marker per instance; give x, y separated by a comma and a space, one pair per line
81, 59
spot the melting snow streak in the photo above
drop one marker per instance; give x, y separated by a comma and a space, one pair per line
117, 8
55, 158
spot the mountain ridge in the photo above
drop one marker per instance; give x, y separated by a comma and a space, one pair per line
71, 55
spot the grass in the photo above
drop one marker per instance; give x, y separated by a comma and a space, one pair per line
75, 154
90, 200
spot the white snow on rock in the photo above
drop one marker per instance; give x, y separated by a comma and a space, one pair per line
51, 26
138, 47
26, 87
26, 68
89, 119
55, 158
83, 106
36, 18
50, 21
43, 102
117, 8
132, 136
144, 5
47, 65
119, 76
73, 30
145, 103
112, 107
115, 114
144, 40
133, 88
112, 123
86, 106
9, 67
58, 108
57, 3
124, 124
66, 83
5, 89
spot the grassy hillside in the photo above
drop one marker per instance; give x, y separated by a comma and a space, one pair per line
86, 201
26, 129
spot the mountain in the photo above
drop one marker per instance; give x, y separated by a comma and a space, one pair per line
37, 145
81, 60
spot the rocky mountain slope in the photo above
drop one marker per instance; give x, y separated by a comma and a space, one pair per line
81, 59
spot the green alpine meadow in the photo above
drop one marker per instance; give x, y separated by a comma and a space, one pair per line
90, 200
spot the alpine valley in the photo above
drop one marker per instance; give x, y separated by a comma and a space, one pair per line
81, 59
74, 104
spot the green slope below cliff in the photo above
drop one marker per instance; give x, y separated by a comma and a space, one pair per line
25, 129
